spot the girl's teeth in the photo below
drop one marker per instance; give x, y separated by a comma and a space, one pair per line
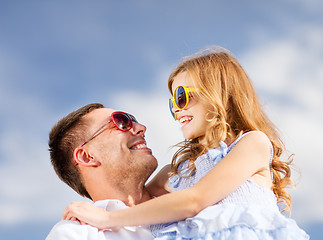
183, 119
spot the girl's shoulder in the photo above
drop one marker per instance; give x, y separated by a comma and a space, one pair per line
253, 137
254, 141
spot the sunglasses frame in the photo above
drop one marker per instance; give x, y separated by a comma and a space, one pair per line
172, 102
112, 118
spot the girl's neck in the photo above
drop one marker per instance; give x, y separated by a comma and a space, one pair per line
229, 139
207, 146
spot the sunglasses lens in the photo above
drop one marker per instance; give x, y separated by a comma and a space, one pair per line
180, 97
132, 118
170, 104
122, 121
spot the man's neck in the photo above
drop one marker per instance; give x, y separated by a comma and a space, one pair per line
137, 197
129, 197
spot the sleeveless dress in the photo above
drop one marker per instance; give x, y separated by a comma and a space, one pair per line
248, 213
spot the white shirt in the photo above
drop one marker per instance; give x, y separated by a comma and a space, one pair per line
70, 230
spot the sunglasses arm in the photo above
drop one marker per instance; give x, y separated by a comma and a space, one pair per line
93, 135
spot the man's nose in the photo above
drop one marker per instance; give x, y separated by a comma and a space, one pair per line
138, 129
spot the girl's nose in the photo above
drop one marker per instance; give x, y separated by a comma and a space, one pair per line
175, 110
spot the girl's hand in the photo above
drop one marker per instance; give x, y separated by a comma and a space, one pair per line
159, 184
87, 213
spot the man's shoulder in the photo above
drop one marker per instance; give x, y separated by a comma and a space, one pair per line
70, 230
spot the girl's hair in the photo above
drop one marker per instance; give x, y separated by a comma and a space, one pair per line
233, 109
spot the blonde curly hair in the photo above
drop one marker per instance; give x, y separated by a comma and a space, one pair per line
233, 109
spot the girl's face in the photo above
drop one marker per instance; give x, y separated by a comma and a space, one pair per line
191, 118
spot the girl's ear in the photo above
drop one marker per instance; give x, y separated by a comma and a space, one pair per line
83, 158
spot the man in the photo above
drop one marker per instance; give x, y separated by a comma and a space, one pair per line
102, 155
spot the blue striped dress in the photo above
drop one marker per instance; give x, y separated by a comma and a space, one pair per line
248, 213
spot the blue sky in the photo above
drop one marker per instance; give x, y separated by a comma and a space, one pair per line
56, 56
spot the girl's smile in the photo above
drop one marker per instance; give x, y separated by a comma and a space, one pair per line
184, 120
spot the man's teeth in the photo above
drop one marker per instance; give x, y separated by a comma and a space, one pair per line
183, 119
139, 146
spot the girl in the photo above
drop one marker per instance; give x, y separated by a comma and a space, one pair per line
227, 176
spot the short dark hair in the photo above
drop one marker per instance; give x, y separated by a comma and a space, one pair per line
65, 136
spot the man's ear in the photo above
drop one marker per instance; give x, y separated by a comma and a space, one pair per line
82, 157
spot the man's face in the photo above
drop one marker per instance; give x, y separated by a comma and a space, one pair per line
123, 155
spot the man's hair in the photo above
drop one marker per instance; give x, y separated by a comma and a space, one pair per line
65, 136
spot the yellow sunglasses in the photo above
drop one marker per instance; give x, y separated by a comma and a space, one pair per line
180, 98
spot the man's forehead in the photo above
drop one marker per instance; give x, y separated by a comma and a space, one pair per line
100, 114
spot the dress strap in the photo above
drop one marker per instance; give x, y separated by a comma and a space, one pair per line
237, 140
271, 162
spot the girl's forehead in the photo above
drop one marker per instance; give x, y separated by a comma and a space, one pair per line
182, 79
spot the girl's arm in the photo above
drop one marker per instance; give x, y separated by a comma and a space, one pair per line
159, 184
250, 156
